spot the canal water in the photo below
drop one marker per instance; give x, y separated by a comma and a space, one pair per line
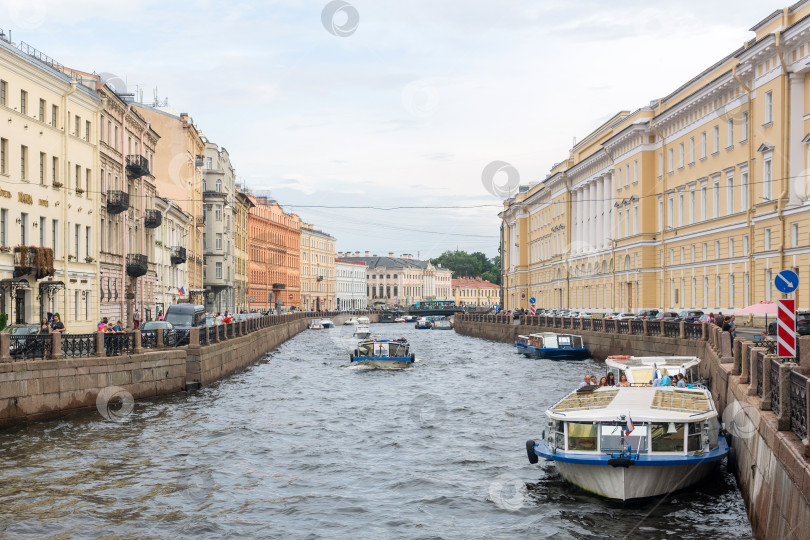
300, 446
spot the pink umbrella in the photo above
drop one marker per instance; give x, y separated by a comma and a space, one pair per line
766, 307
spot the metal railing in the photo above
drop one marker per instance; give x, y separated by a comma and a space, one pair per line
637, 326
773, 373
119, 343
78, 345
149, 339
693, 330
610, 325
672, 329
623, 326
798, 404
760, 360
30, 346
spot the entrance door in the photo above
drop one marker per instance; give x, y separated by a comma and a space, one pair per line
629, 297
19, 307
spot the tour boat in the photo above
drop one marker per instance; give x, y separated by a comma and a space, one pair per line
383, 353
327, 323
442, 325
362, 331
521, 343
363, 320
315, 325
351, 321
410, 318
400, 319
646, 369
423, 323
632, 442
556, 346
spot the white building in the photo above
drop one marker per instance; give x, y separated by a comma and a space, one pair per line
350, 284
170, 256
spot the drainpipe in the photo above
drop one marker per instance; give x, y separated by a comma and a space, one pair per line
748, 213
65, 180
780, 204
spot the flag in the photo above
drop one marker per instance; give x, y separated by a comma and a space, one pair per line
630, 426
182, 290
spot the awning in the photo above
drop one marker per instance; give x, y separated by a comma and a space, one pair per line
50, 287
14, 284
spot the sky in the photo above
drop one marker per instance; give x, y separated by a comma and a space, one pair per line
347, 112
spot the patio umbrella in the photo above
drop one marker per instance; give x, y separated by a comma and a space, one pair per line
766, 307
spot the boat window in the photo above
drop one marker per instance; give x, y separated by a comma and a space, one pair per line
550, 342
577, 342
693, 440
667, 437
714, 432
611, 438
564, 341
582, 436
398, 349
556, 436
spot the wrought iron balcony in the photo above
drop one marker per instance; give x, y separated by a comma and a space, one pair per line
117, 202
24, 261
178, 255
137, 166
137, 265
152, 219
279, 286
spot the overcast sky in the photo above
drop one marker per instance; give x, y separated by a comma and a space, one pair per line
406, 110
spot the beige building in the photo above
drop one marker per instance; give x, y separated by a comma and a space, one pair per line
178, 176
317, 269
170, 255
468, 291
695, 200
49, 192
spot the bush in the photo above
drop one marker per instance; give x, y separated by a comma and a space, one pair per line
3, 321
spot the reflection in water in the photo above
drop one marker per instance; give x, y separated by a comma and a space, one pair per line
296, 447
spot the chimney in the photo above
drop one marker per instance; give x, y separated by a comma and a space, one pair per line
367, 254
391, 254
357, 253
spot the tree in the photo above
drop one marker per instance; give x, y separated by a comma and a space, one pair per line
464, 264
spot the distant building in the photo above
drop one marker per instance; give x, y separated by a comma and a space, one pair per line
240, 251
402, 280
317, 269
219, 188
475, 291
170, 255
350, 284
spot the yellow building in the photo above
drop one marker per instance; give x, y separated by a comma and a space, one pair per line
49, 192
469, 291
696, 200
317, 269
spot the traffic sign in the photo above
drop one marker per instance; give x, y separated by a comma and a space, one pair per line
786, 281
786, 328
531, 300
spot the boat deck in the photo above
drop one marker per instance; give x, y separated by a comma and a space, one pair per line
646, 403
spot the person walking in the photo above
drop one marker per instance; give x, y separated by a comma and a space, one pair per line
57, 325
136, 319
43, 327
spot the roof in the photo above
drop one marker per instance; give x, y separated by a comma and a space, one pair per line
392, 262
641, 403
346, 261
474, 283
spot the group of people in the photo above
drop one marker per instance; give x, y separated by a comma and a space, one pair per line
50, 324
725, 322
107, 327
677, 380
607, 380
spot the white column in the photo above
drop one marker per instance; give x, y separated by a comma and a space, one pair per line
582, 219
574, 217
586, 233
608, 205
600, 213
594, 214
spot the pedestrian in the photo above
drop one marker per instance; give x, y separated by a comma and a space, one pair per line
136, 319
586, 382
57, 325
611, 379
118, 327
43, 327
719, 319
102, 326
733, 327
160, 315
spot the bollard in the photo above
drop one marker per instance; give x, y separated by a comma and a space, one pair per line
682, 328
137, 346
194, 338
5, 347
159, 336
100, 350
752, 370
663, 327
56, 346
645, 330
705, 330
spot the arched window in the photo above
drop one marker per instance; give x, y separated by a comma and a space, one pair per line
627, 262
604, 267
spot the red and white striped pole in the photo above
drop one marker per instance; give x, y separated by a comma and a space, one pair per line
786, 328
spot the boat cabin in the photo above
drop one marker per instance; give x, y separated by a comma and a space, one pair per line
383, 349
550, 340
643, 369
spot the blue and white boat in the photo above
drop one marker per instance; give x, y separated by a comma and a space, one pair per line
632, 442
383, 353
423, 323
362, 331
521, 343
555, 346
327, 323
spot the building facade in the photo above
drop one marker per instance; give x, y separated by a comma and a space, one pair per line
350, 284
243, 205
219, 212
696, 200
274, 257
170, 255
402, 280
469, 291
317, 269
49, 192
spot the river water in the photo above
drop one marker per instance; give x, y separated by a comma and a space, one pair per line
300, 446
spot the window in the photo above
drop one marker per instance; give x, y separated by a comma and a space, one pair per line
768, 284
23, 229
23, 162
627, 175
54, 168
768, 107
208, 163
671, 162
767, 177
54, 115
42, 231
716, 198
670, 211
717, 249
3, 154
680, 156
730, 248
715, 139
41, 110
78, 122
692, 150
766, 235
75, 305
3, 90
703, 145
693, 260
691, 206
3, 227
218, 212
680, 209
23, 102
660, 164
730, 195
744, 191
746, 245
42, 168
219, 186
660, 214
730, 133
731, 290
87, 130
219, 270
627, 222
619, 178
705, 251
54, 236
635, 171
76, 241
744, 127
635, 218
219, 240
87, 245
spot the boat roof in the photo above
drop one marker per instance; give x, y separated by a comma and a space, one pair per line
385, 340
630, 362
642, 403
551, 334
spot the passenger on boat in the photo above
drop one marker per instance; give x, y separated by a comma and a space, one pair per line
622, 380
611, 379
593, 380
586, 382
665, 381
681, 381
603, 381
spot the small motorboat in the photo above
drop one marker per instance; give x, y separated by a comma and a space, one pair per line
522, 343
315, 325
363, 320
632, 442
327, 323
383, 354
423, 323
362, 331
410, 318
442, 325
351, 321
556, 347
400, 319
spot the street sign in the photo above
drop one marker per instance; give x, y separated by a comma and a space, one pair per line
291, 296
786, 328
786, 281
531, 300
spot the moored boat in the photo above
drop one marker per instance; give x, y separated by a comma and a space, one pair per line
521, 343
632, 442
423, 323
327, 323
363, 320
555, 346
362, 331
646, 369
351, 321
315, 324
383, 354
442, 325
400, 320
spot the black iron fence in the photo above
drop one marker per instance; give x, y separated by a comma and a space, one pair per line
78, 345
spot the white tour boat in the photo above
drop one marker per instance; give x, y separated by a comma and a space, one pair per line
327, 323
315, 324
363, 320
383, 354
362, 331
351, 321
646, 369
632, 442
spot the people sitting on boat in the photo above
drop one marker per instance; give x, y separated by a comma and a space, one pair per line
622, 380
665, 381
681, 381
603, 381
611, 379
586, 382
593, 380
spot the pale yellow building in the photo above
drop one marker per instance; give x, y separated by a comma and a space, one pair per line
469, 291
695, 200
49, 192
317, 269
242, 205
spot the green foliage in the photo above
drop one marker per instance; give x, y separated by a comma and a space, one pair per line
3, 320
465, 264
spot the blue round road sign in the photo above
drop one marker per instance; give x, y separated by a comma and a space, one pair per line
531, 300
786, 281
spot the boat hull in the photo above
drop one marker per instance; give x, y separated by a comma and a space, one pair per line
555, 354
362, 335
383, 363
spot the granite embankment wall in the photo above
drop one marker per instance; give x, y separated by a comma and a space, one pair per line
763, 401
139, 364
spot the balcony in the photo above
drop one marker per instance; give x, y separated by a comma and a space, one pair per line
23, 261
137, 166
33, 260
152, 219
117, 202
178, 255
279, 286
137, 265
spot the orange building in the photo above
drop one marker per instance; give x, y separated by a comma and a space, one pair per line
274, 255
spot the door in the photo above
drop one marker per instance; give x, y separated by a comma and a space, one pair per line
19, 307
629, 297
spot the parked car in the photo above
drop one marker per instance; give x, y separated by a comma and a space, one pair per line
648, 314
624, 316
22, 346
183, 317
170, 336
690, 315
612, 315
667, 316
802, 325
